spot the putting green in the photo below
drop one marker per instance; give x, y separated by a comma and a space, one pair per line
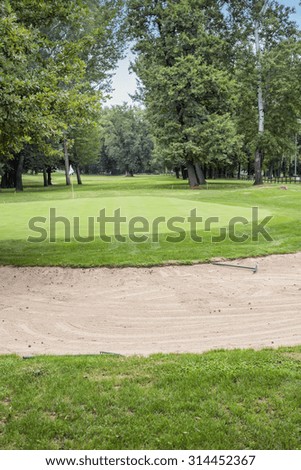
15, 217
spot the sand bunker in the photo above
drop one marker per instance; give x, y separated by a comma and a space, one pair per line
143, 311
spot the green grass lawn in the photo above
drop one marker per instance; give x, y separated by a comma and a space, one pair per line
217, 400
149, 197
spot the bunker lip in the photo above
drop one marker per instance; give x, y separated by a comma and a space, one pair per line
167, 309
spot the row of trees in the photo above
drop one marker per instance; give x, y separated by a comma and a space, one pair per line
56, 59
219, 81
120, 142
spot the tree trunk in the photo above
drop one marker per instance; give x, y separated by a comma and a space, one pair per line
200, 174
49, 179
3, 181
78, 176
250, 169
67, 165
192, 176
211, 174
258, 167
45, 180
8, 179
259, 152
270, 172
184, 172
296, 156
19, 170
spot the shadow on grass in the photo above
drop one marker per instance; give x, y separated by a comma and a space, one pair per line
120, 183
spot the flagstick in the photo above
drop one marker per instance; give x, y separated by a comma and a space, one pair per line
71, 173
72, 189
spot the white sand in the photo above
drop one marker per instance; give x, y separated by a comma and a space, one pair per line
144, 311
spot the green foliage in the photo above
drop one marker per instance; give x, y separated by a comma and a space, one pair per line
25, 115
200, 78
279, 68
126, 139
85, 149
56, 57
186, 85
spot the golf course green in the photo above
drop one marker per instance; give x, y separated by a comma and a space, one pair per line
159, 221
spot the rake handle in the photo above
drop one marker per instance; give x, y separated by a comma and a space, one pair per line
236, 266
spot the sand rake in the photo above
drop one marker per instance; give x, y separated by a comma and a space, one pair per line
255, 269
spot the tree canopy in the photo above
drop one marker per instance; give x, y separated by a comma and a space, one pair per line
127, 141
56, 61
219, 81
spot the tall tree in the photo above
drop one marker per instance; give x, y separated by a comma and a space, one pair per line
127, 139
265, 59
85, 149
185, 83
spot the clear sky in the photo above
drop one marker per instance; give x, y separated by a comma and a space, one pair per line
124, 83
